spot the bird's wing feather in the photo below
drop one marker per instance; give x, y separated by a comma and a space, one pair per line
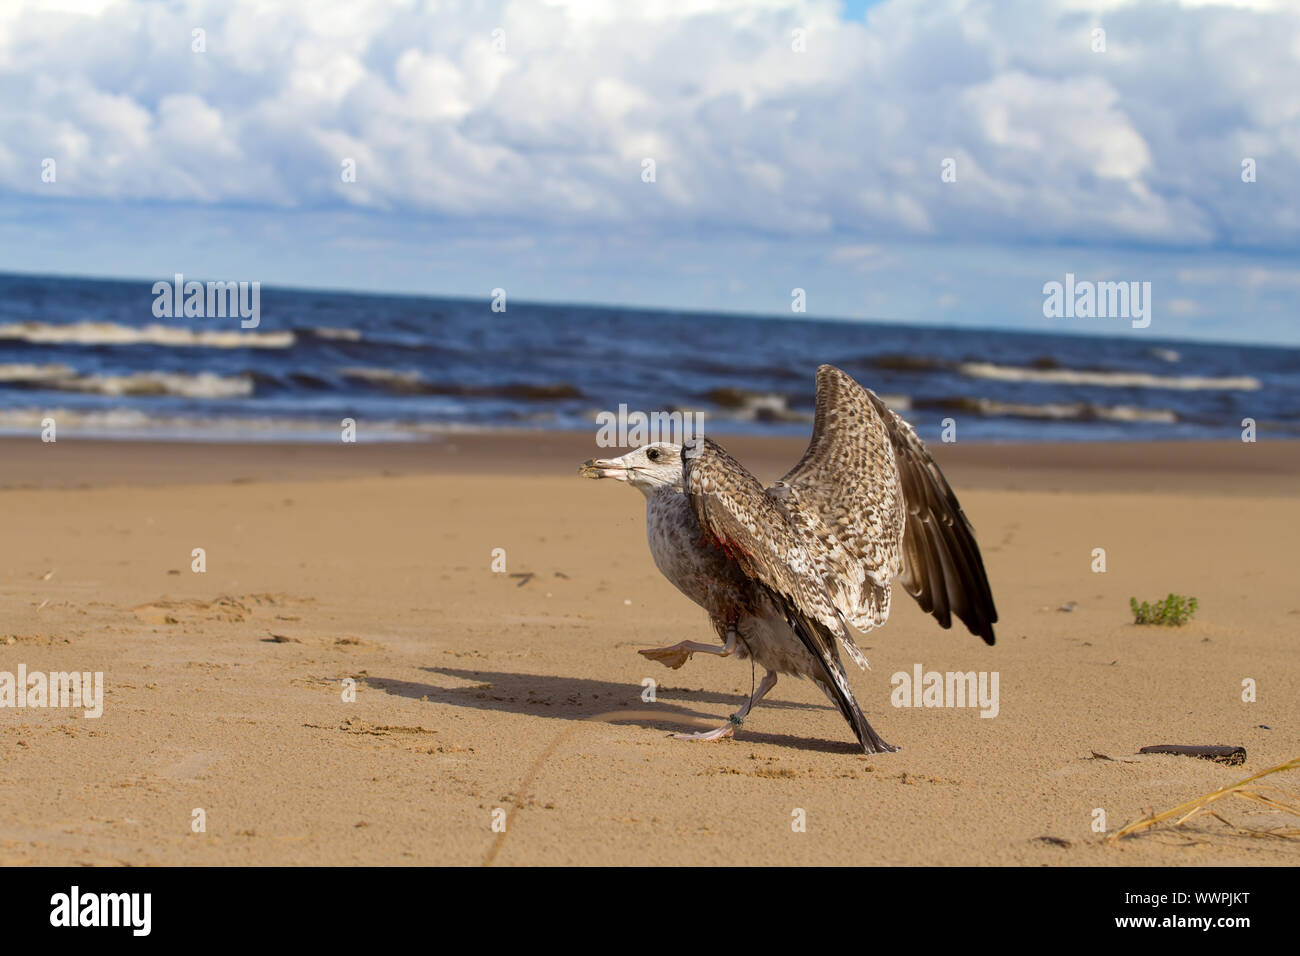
847, 488
838, 571
887, 511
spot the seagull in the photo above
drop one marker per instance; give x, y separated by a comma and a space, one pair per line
786, 571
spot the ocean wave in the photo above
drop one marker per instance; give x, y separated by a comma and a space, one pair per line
390, 379
111, 333
897, 362
124, 419
1107, 379
337, 334
905, 362
128, 423
413, 383
745, 405
63, 379
1054, 411
751, 405
21, 373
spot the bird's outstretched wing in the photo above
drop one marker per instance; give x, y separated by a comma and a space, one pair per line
878, 507
754, 530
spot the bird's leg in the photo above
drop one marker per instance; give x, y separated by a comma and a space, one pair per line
738, 718
678, 654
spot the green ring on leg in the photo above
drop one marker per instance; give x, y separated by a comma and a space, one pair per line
736, 721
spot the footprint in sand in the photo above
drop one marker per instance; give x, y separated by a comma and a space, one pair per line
224, 608
193, 766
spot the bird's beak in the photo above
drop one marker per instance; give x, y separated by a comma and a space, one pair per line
603, 468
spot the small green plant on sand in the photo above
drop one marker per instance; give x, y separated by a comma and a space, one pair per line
1175, 610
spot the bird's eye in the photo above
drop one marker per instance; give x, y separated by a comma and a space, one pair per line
653, 454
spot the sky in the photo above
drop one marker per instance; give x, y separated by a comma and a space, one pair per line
926, 162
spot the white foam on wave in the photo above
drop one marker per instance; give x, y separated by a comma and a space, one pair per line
1066, 376
22, 372
110, 333
127, 423
329, 332
1075, 411
199, 385
63, 379
383, 376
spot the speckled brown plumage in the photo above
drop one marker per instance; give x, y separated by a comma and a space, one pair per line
787, 569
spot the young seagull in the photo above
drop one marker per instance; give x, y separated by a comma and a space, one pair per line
784, 570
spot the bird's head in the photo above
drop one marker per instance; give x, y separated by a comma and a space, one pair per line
648, 469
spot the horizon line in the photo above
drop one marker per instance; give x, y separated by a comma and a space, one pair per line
670, 310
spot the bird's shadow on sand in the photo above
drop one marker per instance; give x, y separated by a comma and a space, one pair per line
580, 698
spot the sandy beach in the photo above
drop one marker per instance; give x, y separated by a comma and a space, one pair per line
521, 691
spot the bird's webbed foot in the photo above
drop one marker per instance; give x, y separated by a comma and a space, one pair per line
678, 654
673, 657
721, 733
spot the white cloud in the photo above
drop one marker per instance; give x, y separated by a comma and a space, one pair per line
1052, 141
1250, 277
1183, 307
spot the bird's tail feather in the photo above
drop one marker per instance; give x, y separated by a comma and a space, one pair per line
833, 681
